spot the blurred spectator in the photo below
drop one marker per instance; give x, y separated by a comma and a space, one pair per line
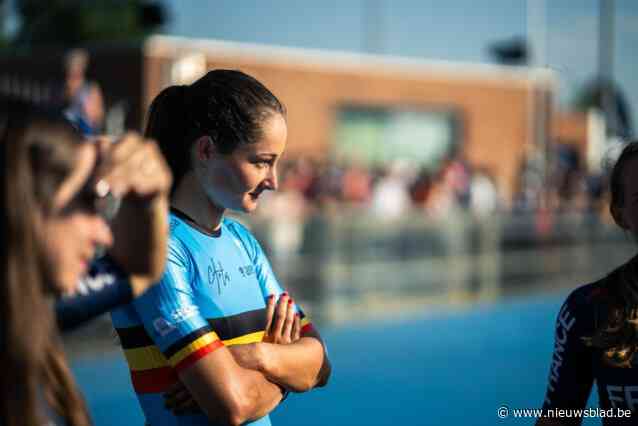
81, 99
456, 176
390, 198
483, 194
285, 210
356, 185
421, 188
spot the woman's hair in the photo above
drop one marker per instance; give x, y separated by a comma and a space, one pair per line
226, 105
37, 153
617, 331
616, 177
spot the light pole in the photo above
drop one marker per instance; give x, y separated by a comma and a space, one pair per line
606, 64
538, 104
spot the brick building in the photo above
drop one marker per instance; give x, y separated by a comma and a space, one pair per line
340, 105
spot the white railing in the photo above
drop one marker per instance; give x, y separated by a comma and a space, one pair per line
351, 265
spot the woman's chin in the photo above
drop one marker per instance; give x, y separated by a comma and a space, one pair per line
249, 205
249, 208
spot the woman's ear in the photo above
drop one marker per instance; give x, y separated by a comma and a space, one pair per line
617, 214
205, 148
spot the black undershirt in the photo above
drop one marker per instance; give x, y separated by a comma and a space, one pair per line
212, 233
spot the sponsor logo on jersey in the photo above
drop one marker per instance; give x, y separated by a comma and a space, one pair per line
184, 313
217, 277
247, 270
623, 396
162, 326
95, 283
564, 324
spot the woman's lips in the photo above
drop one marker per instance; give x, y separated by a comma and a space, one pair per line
84, 263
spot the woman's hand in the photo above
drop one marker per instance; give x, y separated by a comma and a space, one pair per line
132, 168
134, 173
283, 325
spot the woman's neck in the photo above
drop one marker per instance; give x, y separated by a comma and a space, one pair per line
190, 198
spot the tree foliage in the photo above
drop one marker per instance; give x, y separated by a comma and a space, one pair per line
74, 22
617, 111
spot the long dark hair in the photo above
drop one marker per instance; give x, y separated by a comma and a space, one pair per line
229, 106
617, 330
36, 154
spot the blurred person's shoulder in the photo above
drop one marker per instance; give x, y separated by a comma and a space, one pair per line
587, 304
588, 295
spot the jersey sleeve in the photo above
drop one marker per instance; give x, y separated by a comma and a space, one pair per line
104, 288
265, 274
570, 374
171, 316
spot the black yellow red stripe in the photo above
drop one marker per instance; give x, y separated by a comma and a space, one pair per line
196, 349
306, 325
153, 371
192, 357
227, 328
187, 340
237, 325
133, 337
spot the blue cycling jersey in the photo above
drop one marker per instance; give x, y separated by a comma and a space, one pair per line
213, 293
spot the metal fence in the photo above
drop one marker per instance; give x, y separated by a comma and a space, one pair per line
351, 265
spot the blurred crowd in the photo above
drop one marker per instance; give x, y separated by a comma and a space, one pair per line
391, 191
387, 191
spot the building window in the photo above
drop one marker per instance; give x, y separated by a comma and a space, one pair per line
378, 135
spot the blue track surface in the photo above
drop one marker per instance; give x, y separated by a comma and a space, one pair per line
444, 369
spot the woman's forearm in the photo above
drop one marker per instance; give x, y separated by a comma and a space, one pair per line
298, 367
228, 393
140, 244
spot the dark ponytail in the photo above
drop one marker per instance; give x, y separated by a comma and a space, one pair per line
168, 123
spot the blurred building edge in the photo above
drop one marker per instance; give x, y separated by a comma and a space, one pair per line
481, 113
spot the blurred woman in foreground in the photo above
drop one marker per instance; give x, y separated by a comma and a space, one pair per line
57, 193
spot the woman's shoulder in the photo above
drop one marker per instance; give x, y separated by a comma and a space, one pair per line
241, 232
587, 303
238, 229
592, 294
588, 294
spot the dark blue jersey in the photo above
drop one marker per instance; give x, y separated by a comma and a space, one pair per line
105, 287
576, 365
